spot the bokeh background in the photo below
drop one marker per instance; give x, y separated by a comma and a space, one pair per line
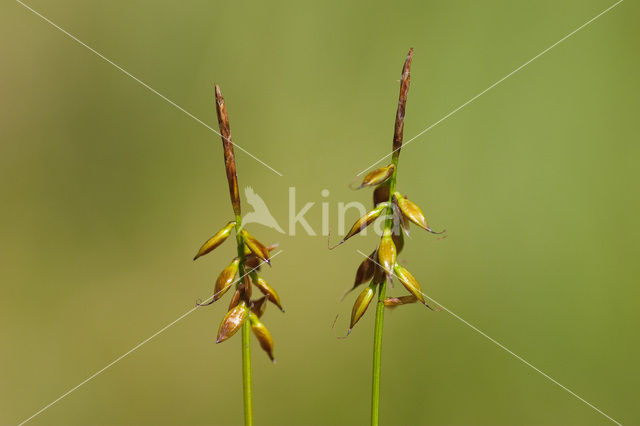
107, 191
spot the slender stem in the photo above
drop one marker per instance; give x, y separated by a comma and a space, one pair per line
388, 226
246, 373
377, 354
247, 392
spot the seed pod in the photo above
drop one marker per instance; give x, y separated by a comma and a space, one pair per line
216, 240
392, 302
263, 335
412, 212
387, 253
255, 246
381, 194
366, 220
232, 322
409, 282
267, 290
225, 279
377, 176
258, 306
361, 304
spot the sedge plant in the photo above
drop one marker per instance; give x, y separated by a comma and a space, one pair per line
381, 266
244, 313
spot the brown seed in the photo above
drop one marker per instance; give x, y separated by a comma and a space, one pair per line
377, 176
232, 322
234, 300
267, 290
361, 304
381, 194
225, 279
412, 212
398, 240
365, 270
365, 220
216, 240
392, 302
255, 246
229, 156
258, 306
263, 335
387, 253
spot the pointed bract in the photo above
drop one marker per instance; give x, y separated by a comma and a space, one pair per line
387, 253
262, 334
361, 304
410, 283
255, 246
267, 290
225, 279
377, 176
366, 220
412, 212
216, 240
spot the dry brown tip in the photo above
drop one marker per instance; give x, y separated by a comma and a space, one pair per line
229, 155
402, 103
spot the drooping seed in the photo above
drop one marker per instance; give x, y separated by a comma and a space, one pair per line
409, 282
362, 303
263, 335
412, 212
366, 220
387, 253
216, 240
232, 322
225, 279
377, 176
267, 290
255, 246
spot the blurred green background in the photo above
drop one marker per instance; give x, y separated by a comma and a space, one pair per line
107, 191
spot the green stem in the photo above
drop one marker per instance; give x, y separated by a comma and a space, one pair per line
247, 392
246, 373
377, 338
377, 354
